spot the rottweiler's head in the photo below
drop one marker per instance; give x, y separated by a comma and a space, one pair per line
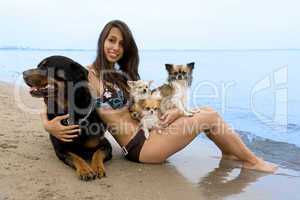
53, 76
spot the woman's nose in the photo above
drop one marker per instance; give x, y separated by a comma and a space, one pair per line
116, 47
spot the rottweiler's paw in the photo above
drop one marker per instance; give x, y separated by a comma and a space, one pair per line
99, 171
97, 163
86, 174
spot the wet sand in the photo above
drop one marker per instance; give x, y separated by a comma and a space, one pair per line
29, 168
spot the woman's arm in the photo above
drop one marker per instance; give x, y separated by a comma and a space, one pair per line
95, 85
55, 128
68, 133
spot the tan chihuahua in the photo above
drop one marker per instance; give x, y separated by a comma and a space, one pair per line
139, 90
150, 115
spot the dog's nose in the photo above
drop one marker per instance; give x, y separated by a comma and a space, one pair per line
151, 112
145, 91
26, 73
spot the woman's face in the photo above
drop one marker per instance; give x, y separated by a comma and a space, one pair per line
113, 45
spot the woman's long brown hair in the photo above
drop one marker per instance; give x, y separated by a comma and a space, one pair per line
128, 63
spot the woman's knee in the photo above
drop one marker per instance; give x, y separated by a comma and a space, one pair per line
208, 109
210, 119
210, 114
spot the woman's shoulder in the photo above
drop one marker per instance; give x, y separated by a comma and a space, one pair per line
89, 66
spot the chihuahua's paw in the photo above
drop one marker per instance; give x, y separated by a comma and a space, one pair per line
188, 114
196, 110
147, 134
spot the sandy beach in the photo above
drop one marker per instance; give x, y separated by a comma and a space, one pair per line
29, 168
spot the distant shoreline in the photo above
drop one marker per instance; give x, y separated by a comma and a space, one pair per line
203, 50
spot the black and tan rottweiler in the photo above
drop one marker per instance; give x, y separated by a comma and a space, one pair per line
63, 84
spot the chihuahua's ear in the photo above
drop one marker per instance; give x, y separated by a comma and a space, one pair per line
191, 65
130, 84
169, 67
141, 102
150, 82
156, 96
159, 100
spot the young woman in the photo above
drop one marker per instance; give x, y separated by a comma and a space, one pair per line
116, 62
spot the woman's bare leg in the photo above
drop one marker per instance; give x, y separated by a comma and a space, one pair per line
180, 133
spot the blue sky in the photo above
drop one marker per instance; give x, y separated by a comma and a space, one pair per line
156, 24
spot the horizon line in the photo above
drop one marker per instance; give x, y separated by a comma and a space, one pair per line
183, 49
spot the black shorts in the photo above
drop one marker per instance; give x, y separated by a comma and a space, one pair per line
133, 148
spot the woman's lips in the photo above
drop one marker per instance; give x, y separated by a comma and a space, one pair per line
113, 55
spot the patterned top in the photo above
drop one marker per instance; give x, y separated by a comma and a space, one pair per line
111, 98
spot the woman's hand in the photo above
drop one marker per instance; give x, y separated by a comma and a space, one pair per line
94, 83
170, 116
61, 132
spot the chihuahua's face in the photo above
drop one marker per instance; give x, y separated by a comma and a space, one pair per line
180, 72
139, 88
149, 106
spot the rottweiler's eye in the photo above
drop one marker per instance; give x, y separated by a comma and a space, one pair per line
59, 78
183, 73
175, 73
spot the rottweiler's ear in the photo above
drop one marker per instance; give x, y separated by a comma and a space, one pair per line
169, 67
44, 62
191, 65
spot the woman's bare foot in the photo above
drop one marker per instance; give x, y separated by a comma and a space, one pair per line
261, 165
